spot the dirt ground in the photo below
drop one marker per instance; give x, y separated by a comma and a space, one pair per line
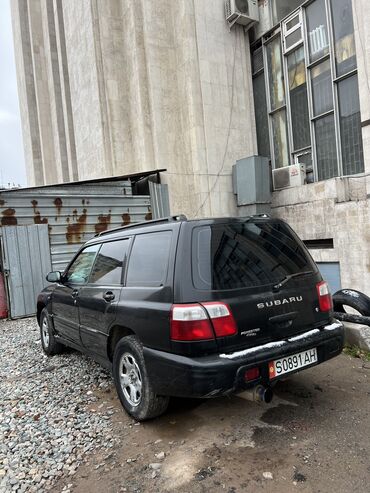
314, 437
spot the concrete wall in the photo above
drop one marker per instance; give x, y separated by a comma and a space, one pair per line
150, 85
337, 209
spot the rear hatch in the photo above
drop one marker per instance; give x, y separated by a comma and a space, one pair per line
263, 272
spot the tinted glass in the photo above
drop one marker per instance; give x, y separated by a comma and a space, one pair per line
108, 266
298, 99
276, 76
292, 23
149, 259
350, 126
239, 255
326, 150
318, 39
79, 271
280, 135
260, 107
282, 8
322, 90
345, 50
293, 38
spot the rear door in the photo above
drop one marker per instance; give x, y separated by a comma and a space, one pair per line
147, 296
241, 264
98, 299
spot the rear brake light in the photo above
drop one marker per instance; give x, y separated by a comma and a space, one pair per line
325, 299
190, 323
222, 319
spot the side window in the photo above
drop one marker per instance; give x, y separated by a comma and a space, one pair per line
149, 259
109, 262
79, 271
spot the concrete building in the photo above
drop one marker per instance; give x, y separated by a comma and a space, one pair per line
120, 86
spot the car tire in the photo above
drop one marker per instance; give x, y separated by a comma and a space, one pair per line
353, 299
48, 342
133, 384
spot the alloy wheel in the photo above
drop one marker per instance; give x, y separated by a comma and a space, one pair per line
130, 379
45, 332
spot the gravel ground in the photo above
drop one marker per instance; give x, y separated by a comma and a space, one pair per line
58, 417
48, 422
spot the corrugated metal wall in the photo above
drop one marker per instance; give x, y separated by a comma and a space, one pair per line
26, 261
160, 200
74, 212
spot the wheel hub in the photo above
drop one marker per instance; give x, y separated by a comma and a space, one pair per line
130, 379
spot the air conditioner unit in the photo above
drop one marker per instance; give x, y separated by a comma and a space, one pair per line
289, 176
242, 12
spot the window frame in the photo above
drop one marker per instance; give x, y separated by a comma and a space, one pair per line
287, 32
129, 239
78, 254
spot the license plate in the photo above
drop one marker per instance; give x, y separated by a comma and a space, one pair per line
292, 362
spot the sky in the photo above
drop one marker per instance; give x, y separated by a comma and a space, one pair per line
12, 165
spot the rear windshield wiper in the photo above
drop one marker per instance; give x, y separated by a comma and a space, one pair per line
287, 278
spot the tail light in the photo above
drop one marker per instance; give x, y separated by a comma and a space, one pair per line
190, 323
222, 320
325, 299
198, 322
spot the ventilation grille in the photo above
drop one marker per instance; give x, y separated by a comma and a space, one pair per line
242, 6
228, 8
281, 178
257, 60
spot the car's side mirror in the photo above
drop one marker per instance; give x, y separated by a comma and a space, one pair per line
54, 276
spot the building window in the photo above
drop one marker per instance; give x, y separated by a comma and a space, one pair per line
282, 8
312, 101
317, 30
345, 52
276, 106
297, 84
350, 126
260, 105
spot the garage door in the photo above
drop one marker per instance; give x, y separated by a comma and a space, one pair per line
330, 271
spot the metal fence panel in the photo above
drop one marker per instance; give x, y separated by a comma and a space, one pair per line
74, 213
26, 261
159, 199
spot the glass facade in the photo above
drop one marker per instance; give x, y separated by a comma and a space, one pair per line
280, 138
298, 99
275, 71
350, 126
312, 110
345, 52
317, 30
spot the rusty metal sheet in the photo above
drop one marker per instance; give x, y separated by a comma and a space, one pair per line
74, 212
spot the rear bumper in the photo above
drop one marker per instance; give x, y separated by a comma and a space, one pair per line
220, 374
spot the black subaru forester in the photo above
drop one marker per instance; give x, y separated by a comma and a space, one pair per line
192, 308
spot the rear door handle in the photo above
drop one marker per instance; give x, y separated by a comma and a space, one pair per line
109, 296
75, 293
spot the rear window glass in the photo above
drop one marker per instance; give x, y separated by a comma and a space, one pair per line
239, 255
149, 259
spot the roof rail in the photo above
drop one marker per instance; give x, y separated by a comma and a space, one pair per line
177, 218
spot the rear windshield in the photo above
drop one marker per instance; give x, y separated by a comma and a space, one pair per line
249, 254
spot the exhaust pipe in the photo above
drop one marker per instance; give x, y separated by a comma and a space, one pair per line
259, 393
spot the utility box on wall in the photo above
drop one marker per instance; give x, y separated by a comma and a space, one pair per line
251, 182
